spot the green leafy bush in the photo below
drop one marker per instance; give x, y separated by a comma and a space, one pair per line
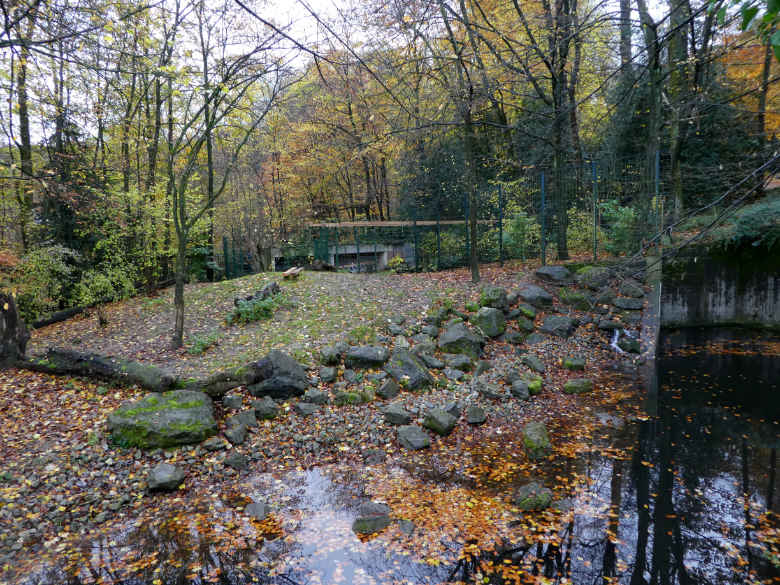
452, 252
44, 280
522, 235
397, 265
255, 310
621, 228
757, 225
203, 342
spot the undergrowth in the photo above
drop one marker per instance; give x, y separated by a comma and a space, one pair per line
256, 309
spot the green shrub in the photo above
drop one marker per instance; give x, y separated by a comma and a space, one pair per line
757, 225
255, 310
621, 230
203, 342
453, 249
44, 279
522, 235
397, 265
472, 307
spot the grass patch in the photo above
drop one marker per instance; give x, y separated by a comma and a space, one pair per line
203, 342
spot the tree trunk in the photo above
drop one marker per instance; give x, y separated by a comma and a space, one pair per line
24, 195
471, 169
178, 295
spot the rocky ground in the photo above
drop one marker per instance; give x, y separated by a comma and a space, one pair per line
463, 434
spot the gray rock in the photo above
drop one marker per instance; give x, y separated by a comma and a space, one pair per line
458, 338
632, 316
178, 417
536, 296
631, 288
305, 408
438, 315
536, 440
217, 384
165, 477
519, 390
413, 437
593, 277
554, 274
331, 355
389, 389
351, 376
458, 361
236, 460
493, 296
475, 415
397, 319
422, 338
233, 401
236, 434
453, 374
400, 342
482, 386
490, 321
279, 375
453, 408
558, 325
408, 370
214, 444
374, 456
265, 408
578, 386
372, 517
628, 303
610, 325
316, 396
430, 330
532, 497
525, 324
245, 417
257, 511
439, 421
396, 414
421, 349
328, 374
406, 526
533, 362
431, 361
366, 356
395, 330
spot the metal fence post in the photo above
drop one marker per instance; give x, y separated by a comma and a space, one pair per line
226, 254
500, 224
357, 248
595, 211
544, 229
414, 235
438, 231
658, 189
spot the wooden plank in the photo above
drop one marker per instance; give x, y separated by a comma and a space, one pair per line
425, 223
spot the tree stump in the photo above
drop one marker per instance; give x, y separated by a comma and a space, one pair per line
13, 332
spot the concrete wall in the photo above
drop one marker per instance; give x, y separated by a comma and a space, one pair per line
710, 290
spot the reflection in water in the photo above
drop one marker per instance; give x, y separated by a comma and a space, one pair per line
680, 499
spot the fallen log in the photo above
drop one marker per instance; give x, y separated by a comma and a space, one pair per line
124, 372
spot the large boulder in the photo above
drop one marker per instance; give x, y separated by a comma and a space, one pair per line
408, 370
178, 417
458, 338
366, 356
536, 296
278, 375
631, 288
558, 325
593, 277
13, 332
493, 296
554, 274
536, 440
490, 321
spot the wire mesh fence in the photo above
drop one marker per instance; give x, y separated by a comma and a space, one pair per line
594, 207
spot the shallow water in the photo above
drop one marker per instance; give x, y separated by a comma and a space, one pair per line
679, 498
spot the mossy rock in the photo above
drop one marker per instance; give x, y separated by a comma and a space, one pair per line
578, 386
574, 363
178, 417
536, 440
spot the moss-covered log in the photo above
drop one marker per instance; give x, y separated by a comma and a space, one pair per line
120, 371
